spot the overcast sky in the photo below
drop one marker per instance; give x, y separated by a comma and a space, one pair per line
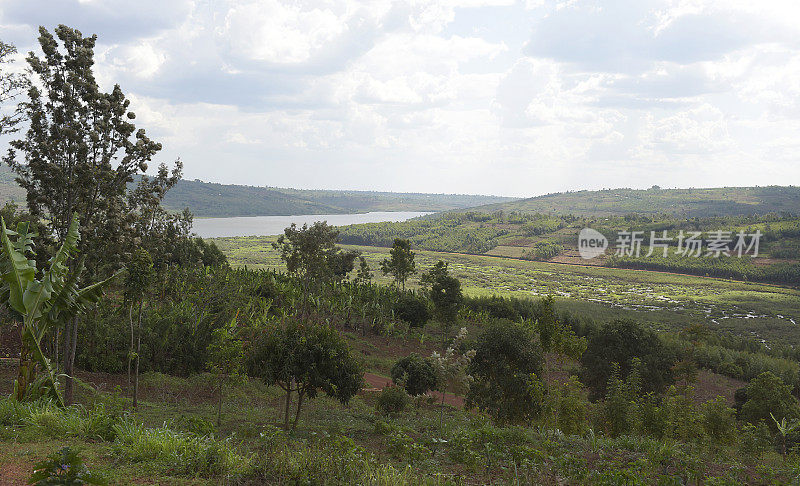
489, 97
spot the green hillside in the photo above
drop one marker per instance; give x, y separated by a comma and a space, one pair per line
723, 201
212, 199
208, 199
9, 190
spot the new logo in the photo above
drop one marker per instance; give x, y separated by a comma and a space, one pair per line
591, 243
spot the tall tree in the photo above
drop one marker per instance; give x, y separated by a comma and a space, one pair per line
78, 156
400, 263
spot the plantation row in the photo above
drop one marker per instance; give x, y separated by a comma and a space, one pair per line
545, 236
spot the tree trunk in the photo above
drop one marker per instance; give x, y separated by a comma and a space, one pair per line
25, 371
70, 346
138, 350
130, 349
299, 404
288, 404
219, 403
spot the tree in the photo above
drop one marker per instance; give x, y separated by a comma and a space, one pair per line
507, 370
416, 374
621, 341
41, 303
79, 154
311, 253
364, 275
554, 335
137, 282
767, 394
11, 86
400, 263
412, 309
305, 359
445, 292
225, 360
451, 369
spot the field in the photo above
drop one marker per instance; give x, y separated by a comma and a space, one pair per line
664, 300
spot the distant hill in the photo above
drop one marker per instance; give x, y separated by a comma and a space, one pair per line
723, 201
218, 200
9, 190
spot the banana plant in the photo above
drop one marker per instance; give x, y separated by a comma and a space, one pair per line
41, 304
784, 428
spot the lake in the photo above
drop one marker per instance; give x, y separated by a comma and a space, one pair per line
274, 225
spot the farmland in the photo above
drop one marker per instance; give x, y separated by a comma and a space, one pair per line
662, 299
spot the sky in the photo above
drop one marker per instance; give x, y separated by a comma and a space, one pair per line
457, 96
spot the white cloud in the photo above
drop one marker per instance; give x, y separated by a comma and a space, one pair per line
453, 95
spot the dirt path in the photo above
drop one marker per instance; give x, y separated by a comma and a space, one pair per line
377, 382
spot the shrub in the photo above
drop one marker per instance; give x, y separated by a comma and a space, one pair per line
64, 467
767, 394
719, 421
620, 342
412, 309
392, 399
506, 369
572, 407
415, 373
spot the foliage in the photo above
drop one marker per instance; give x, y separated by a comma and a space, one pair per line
767, 395
311, 253
400, 263
225, 360
417, 375
412, 309
41, 303
507, 369
392, 400
183, 453
445, 292
11, 86
304, 358
719, 421
620, 342
64, 467
81, 150
364, 275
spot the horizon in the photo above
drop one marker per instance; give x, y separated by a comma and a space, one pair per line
517, 99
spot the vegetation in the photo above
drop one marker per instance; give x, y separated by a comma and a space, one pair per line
620, 379
692, 203
507, 371
614, 347
400, 263
417, 375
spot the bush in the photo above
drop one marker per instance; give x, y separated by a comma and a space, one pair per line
412, 309
620, 342
64, 467
392, 400
507, 368
415, 373
719, 421
767, 394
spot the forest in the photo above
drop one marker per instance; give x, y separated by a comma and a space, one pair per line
136, 353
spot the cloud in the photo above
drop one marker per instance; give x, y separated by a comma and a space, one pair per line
479, 96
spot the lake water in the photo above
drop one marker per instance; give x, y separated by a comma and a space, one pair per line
274, 225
